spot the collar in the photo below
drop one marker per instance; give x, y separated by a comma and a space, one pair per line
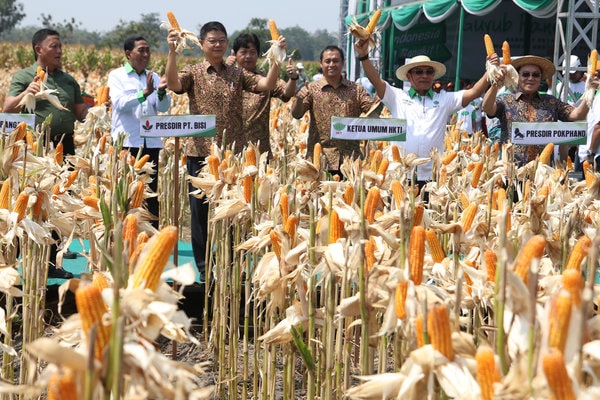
321, 83
129, 69
522, 96
412, 93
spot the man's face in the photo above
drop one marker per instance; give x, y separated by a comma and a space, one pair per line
247, 57
49, 53
332, 64
530, 78
139, 56
214, 44
421, 77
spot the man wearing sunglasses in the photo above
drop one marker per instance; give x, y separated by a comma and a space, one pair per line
528, 105
426, 112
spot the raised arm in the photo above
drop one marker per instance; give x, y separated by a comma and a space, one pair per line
481, 86
362, 49
173, 81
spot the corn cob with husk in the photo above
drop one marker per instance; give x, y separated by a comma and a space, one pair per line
91, 309
400, 299
555, 370
336, 227
62, 385
547, 153
438, 327
371, 203
559, 318
416, 254
185, 37
275, 54
590, 89
369, 32
5, 195
487, 371
579, 252
533, 249
147, 272
103, 95
370, 253
435, 247
137, 195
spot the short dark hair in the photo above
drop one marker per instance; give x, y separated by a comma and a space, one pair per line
212, 26
332, 48
40, 36
130, 42
245, 40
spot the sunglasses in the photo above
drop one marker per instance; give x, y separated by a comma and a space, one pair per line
530, 74
420, 72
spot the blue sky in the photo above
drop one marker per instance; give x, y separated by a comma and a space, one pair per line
104, 15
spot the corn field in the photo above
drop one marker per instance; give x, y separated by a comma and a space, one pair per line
480, 285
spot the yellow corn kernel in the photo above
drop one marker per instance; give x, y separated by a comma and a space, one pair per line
547, 153
99, 280
400, 299
276, 244
173, 21
91, 309
142, 161
336, 227
419, 331
284, 207
534, 248
449, 157
396, 154
553, 365
416, 253
137, 196
213, 165
376, 158
572, 282
491, 259
489, 45
418, 212
370, 253
371, 203
580, 251
383, 167
91, 201
435, 247
5, 195
397, 192
468, 216
291, 226
318, 150
438, 328
59, 154
505, 53
62, 385
349, 194
477, 171
21, 205
142, 239
130, 232
373, 21
487, 371
593, 62
273, 29
147, 273
560, 315
247, 186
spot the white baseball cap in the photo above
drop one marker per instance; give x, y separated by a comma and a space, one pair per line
300, 66
573, 65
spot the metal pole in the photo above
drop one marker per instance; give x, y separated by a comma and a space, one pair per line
459, 48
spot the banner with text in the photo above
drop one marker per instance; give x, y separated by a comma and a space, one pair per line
178, 125
549, 132
345, 128
8, 122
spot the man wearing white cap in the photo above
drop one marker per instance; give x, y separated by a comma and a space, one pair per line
425, 111
576, 82
302, 78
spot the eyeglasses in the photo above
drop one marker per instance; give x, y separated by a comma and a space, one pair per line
420, 72
527, 74
214, 42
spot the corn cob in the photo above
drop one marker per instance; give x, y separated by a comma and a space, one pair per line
318, 150
443, 179
547, 153
592, 63
534, 248
438, 328
419, 331
491, 259
273, 29
373, 21
213, 165
99, 280
383, 167
276, 244
418, 212
21, 205
560, 315
137, 196
91, 309
250, 157
371, 203
130, 232
284, 207
400, 299
489, 45
449, 157
5, 194
102, 143
142, 239
397, 192
435, 247
487, 372
349, 194
62, 386
173, 21
464, 200
247, 186
477, 149
59, 154
370, 253
291, 226
40, 74
477, 171
142, 161
505, 53
396, 154
572, 282
553, 365
501, 198
579, 252
376, 157
91, 201
71, 178
336, 227
588, 173
103, 95
468, 216
147, 273
416, 253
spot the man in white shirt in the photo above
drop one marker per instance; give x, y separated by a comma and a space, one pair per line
136, 92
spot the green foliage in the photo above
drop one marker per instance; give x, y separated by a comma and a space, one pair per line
11, 13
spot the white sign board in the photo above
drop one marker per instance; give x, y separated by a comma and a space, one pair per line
178, 125
345, 128
9, 121
549, 132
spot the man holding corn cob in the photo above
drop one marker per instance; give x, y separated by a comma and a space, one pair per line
137, 92
213, 87
425, 111
257, 106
